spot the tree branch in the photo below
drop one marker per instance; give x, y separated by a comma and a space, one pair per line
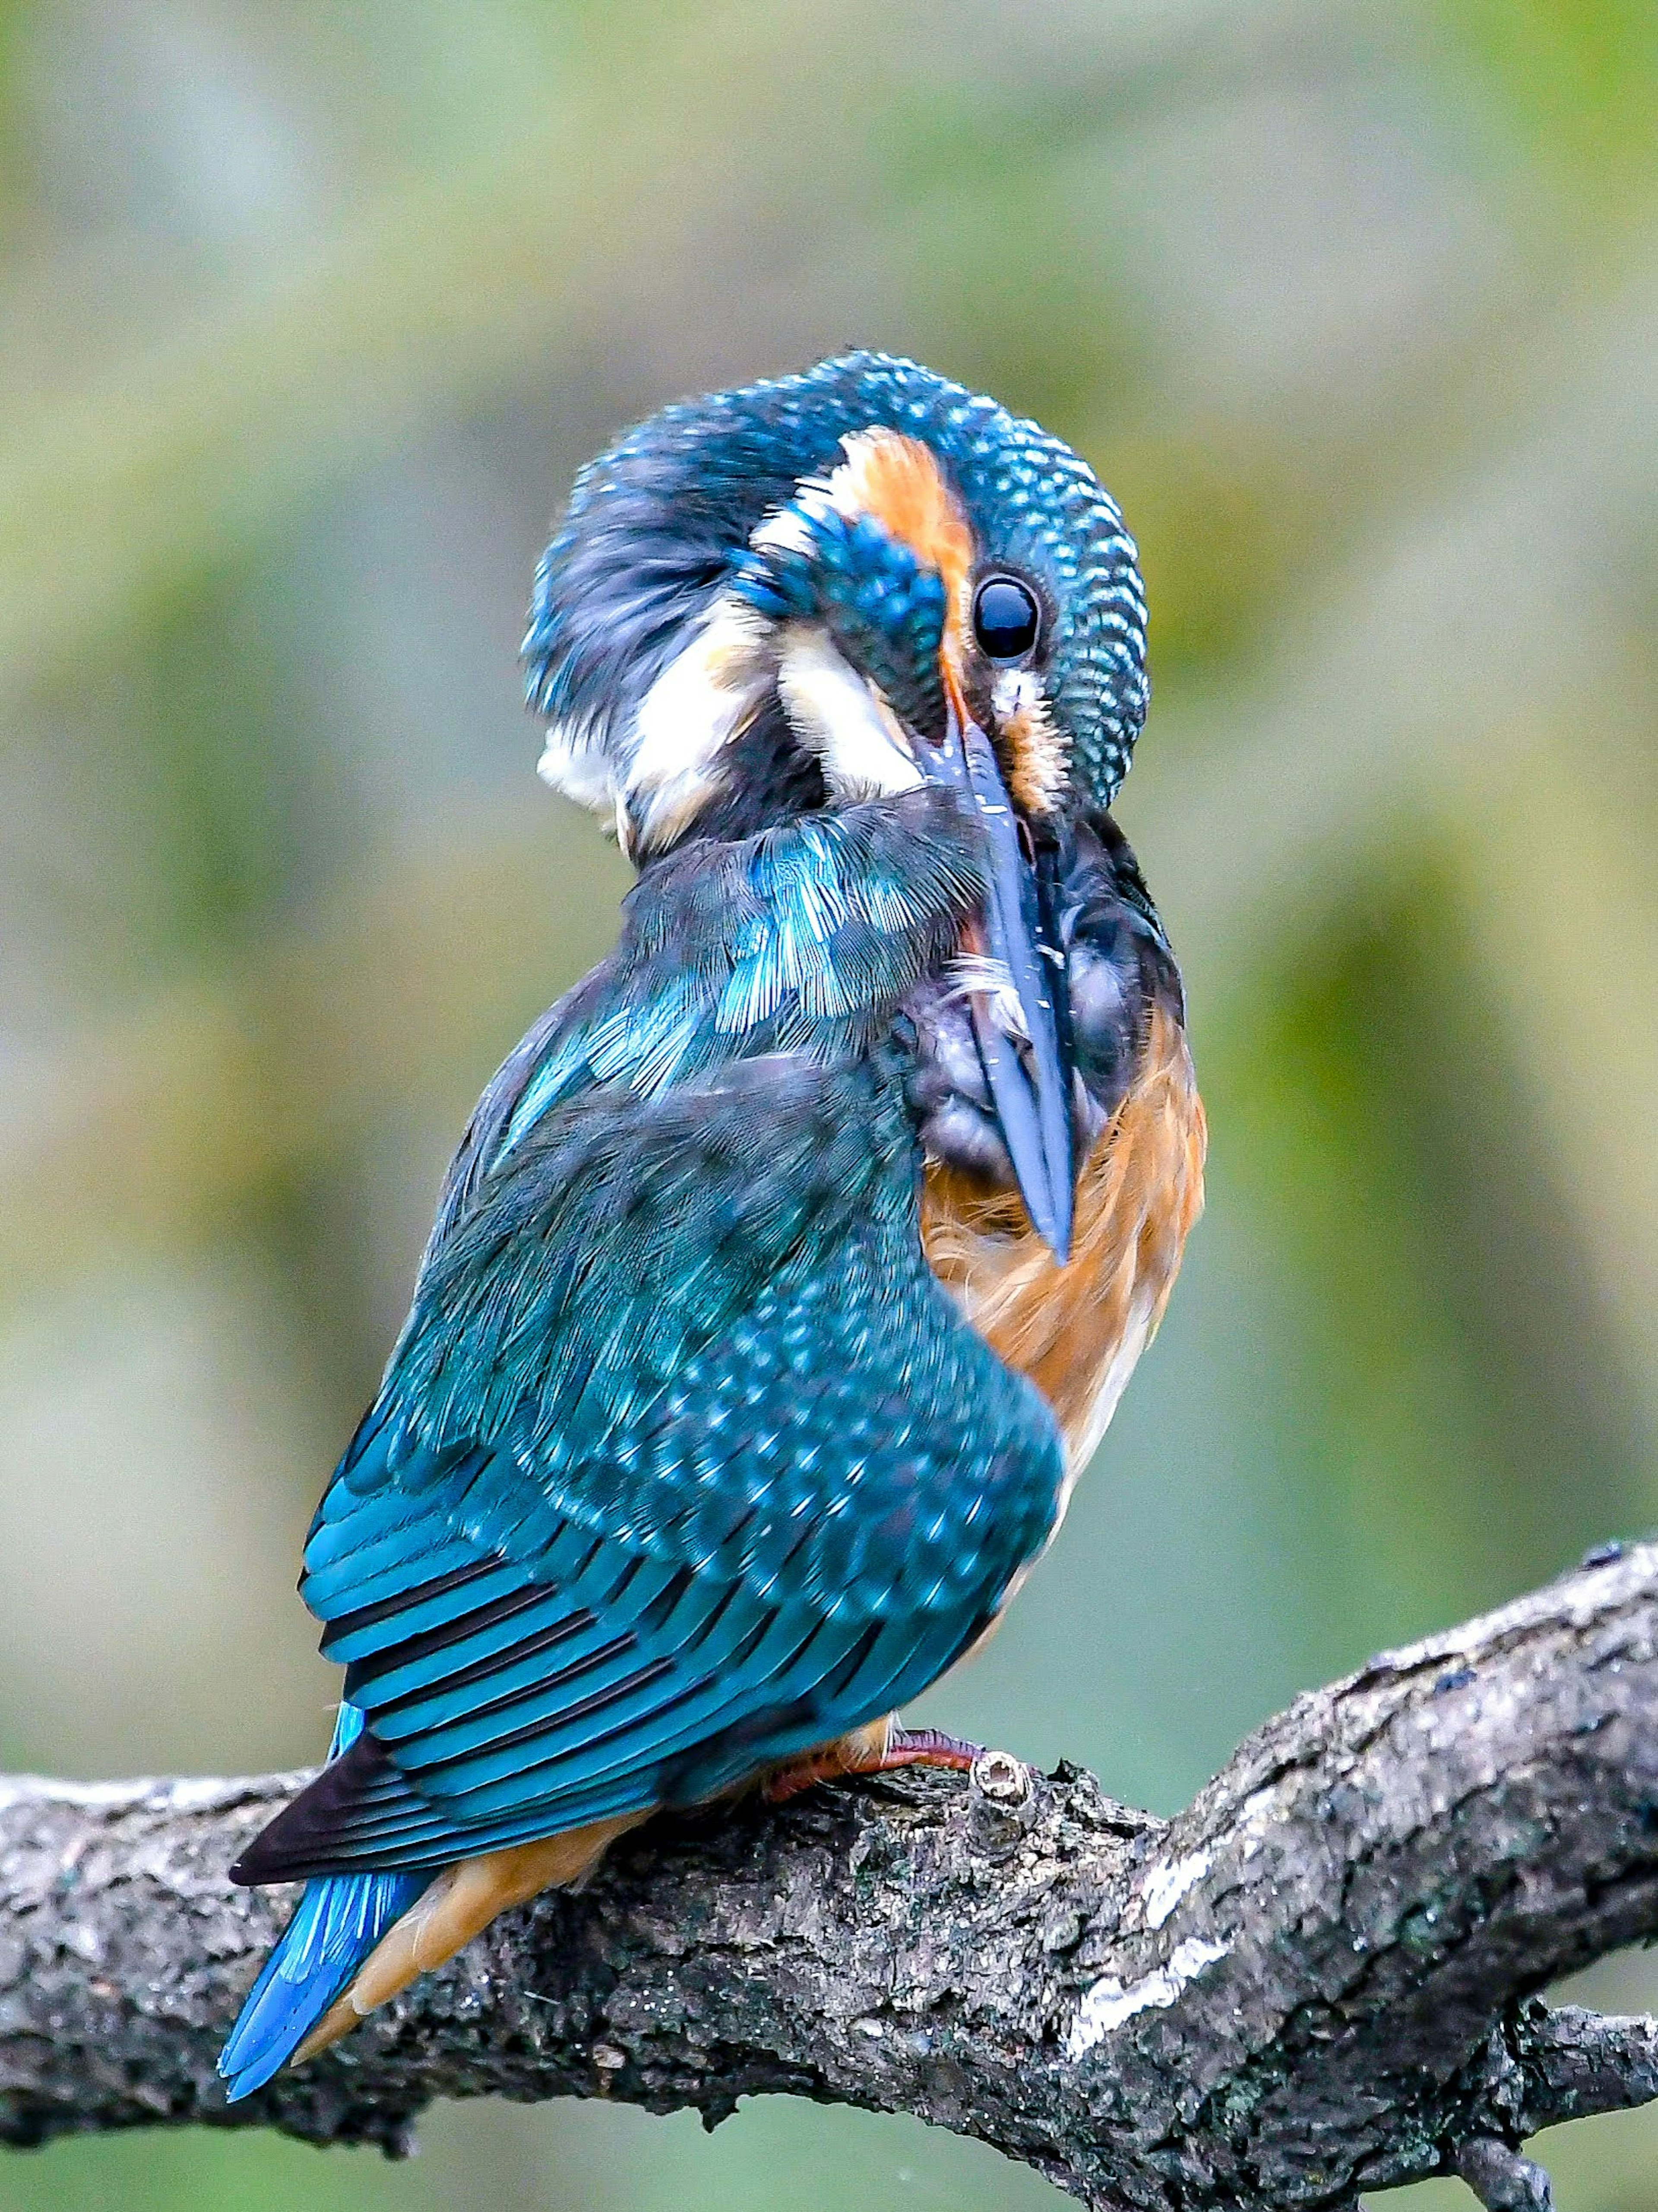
1319, 1979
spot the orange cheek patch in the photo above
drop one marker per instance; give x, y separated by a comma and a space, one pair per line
898, 483
1038, 757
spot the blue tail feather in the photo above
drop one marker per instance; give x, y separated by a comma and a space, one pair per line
336, 1924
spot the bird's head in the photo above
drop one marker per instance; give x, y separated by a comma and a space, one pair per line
842, 585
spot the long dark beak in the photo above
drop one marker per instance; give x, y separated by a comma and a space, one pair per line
1024, 1041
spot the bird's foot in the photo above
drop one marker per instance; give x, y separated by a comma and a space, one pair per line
927, 1748
871, 1751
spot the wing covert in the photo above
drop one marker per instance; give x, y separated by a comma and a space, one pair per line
685, 1463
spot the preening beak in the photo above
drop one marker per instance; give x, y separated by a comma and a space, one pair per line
1024, 1043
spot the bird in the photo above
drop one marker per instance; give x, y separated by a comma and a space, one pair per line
791, 1268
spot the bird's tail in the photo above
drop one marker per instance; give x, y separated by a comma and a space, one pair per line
336, 1924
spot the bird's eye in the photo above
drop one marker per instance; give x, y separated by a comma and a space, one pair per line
1006, 618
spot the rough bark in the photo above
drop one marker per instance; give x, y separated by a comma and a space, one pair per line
1320, 1977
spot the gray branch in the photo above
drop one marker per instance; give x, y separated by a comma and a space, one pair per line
1319, 1978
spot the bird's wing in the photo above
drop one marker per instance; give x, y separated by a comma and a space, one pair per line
684, 1464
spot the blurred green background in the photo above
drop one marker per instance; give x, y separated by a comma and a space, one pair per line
307, 316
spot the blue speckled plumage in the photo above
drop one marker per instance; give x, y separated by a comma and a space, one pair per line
885, 609
685, 1464
653, 525
805, 938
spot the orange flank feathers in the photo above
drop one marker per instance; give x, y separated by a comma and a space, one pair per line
1077, 1330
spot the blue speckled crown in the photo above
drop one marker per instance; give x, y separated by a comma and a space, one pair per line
654, 524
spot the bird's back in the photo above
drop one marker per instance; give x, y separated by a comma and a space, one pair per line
779, 1257
684, 1462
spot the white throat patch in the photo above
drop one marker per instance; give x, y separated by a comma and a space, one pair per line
857, 737
655, 776
669, 766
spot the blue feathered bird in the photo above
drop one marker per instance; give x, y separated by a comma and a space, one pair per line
792, 1267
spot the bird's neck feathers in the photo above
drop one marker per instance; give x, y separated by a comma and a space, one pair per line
806, 939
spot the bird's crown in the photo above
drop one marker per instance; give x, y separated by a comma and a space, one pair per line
768, 599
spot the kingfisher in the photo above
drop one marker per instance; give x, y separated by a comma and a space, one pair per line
790, 1268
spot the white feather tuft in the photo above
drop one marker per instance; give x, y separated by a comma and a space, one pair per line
702, 699
977, 975
790, 529
572, 763
855, 734
1015, 692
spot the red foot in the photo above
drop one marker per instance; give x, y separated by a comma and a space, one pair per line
927, 1748
833, 1762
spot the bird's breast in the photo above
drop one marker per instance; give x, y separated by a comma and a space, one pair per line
1077, 1330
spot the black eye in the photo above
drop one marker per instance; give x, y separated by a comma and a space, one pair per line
1006, 618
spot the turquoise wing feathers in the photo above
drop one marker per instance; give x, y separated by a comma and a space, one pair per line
683, 1463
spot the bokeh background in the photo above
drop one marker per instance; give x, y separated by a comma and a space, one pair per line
307, 316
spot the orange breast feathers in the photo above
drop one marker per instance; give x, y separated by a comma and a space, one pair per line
1077, 1331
